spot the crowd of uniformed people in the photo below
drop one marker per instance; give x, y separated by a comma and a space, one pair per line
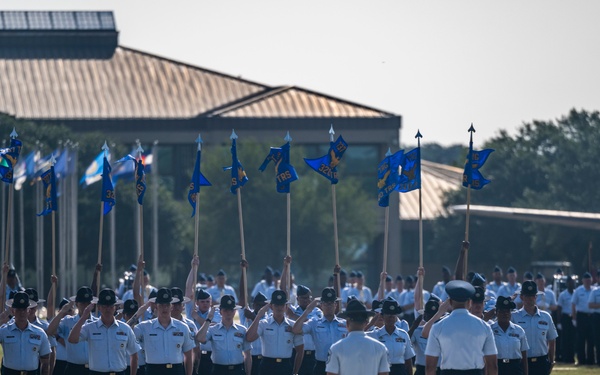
475, 327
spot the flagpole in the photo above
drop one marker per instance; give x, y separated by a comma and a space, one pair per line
196, 221
419, 136
234, 164
140, 150
468, 214
53, 287
385, 237
101, 229
13, 135
336, 244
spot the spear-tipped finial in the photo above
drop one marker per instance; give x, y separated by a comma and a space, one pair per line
331, 133
105, 148
139, 150
52, 160
233, 135
199, 142
389, 152
418, 134
287, 137
13, 134
471, 129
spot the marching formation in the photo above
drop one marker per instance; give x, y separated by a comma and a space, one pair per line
463, 327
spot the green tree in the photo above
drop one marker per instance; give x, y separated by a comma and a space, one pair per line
546, 165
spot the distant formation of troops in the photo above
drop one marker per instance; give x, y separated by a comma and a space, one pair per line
466, 325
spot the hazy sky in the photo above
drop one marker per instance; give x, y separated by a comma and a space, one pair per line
440, 64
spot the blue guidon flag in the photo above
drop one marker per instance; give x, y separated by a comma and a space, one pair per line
388, 177
238, 174
49, 183
198, 180
8, 160
285, 173
410, 177
475, 160
326, 165
108, 190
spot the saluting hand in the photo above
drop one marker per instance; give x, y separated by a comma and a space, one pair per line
65, 309
312, 304
263, 310
87, 312
211, 313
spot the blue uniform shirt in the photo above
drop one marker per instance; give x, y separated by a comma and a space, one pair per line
508, 290
324, 333
22, 349
538, 328
511, 343
110, 347
228, 344
315, 313
594, 298
164, 345
76, 353
580, 299
278, 340
461, 340
397, 343
564, 301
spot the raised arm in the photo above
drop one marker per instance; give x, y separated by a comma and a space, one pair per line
297, 328
96, 279
201, 335
459, 270
137, 281
74, 335
285, 275
53, 326
252, 333
5, 268
243, 286
419, 289
51, 300
190, 283
444, 307
381, 290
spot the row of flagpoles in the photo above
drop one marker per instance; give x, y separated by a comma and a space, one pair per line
397, 172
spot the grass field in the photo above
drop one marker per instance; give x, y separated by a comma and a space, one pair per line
576, 370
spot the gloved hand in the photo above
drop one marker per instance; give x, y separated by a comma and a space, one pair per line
574, 322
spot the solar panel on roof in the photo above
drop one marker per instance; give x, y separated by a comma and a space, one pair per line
39, 20
63, 20
15, 21
36, 20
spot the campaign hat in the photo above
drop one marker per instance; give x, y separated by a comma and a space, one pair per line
20, 301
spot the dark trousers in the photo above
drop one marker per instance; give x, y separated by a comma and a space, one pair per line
206, 365
585, 339
7, 371
73, 369
398, 369
463, 372
512, 367
228, 369
308, 362
538, 365
107, 373
59, 367
273, 366
140, 371
567, 343
255, 364
320, 368
596, 326
421, 370
174, 369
